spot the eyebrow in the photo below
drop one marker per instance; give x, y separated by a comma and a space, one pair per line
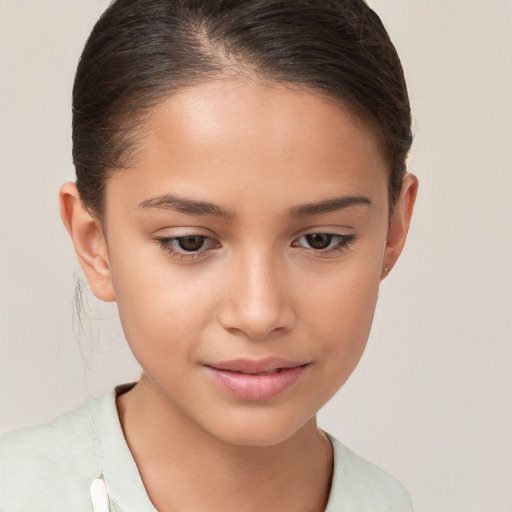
195, 207
184, 205
329, 205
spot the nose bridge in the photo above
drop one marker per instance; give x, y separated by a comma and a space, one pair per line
258, 300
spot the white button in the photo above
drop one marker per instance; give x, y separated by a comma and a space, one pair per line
99, 496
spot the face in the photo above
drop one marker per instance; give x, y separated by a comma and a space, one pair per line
245, 250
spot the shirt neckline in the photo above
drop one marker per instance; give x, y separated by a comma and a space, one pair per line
122, 478
124, 483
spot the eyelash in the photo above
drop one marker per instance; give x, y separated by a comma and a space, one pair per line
166, 244
343, 242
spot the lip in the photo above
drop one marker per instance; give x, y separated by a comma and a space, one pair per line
256, 380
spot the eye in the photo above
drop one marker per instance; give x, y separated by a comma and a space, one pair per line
187, 246
191, 243
325, 242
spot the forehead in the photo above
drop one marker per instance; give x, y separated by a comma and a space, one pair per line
238, 136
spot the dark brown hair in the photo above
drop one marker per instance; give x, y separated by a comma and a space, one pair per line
140, 51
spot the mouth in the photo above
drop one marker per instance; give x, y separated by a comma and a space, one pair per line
265, 366
257, 380
270, 372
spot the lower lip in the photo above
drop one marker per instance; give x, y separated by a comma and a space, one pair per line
256, 387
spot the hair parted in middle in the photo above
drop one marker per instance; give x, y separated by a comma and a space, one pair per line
141, 51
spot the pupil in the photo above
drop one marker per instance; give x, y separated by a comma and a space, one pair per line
319, 240
191, 243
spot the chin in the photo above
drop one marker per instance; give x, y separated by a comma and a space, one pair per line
260, 432
256, 439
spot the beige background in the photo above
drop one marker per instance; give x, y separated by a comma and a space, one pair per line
432, 399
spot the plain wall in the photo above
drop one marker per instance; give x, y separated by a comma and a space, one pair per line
431, 401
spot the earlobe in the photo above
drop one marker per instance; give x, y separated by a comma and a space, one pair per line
89, 242
399, 223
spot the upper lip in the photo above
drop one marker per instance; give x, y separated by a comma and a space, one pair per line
265, 365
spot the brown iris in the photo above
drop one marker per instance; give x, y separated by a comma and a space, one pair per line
319, 240
191, 243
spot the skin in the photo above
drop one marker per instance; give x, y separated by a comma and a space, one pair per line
255, 289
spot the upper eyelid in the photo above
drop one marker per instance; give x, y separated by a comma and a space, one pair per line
326, 230
348, 238
181, 231
215, 238
295, 237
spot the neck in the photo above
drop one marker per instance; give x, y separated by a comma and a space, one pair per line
183, 467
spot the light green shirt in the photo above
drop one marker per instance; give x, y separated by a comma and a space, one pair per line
50, 468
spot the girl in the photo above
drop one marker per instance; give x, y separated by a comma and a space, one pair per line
241, 192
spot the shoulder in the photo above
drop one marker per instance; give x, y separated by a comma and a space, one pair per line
48, 465
360, 485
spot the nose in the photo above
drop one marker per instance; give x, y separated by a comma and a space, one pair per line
258, 297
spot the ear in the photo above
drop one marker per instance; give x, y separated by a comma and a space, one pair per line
399, 223
89, 241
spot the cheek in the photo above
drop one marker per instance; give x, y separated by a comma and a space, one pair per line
341, 312
162, 308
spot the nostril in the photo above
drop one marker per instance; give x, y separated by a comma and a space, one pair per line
254, 333
256, 303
